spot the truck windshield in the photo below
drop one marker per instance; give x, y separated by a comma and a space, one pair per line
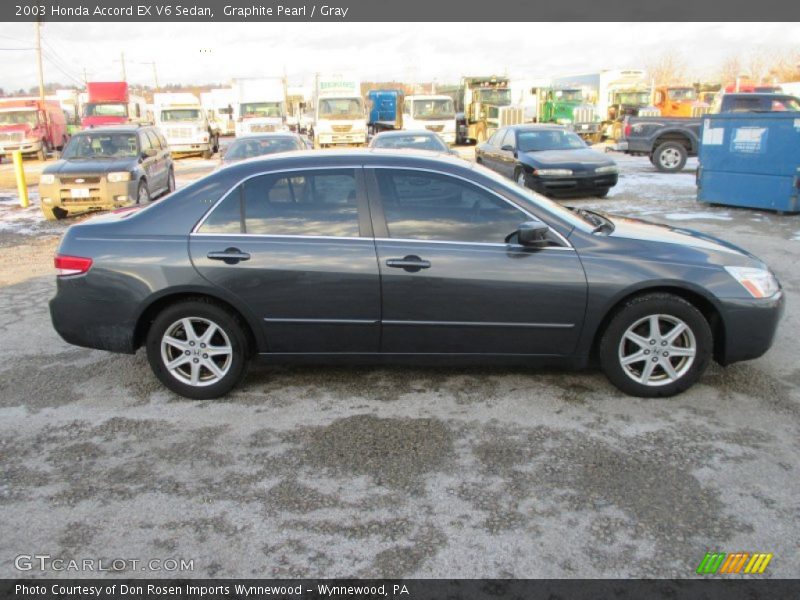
569, 95
682, 94
548, 139
115, 109
635, 98
434, 109
180, 114
101, 145
498, 97
19, 117
341, 108
260, 109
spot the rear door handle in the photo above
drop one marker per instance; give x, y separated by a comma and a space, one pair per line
410, 263
230, 256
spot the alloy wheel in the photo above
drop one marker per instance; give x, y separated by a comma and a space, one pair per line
657, 350
196, 351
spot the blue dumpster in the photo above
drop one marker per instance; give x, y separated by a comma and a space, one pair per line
750, 160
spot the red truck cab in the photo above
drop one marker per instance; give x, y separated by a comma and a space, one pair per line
109, 103
31, 126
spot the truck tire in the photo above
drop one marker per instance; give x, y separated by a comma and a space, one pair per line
41, 154
670, 157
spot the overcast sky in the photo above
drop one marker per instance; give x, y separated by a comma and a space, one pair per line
410, 52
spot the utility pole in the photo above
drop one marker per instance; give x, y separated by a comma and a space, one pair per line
122, 60
37, 28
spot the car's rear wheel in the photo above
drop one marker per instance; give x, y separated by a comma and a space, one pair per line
670, 157
171, 182
656, 345
198, 349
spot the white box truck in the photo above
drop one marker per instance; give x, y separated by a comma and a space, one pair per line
260, 105
340, 117
183, 122
432, 112
218, 104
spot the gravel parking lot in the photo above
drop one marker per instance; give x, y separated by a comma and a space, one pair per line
397, 472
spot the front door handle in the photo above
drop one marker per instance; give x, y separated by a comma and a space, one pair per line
410, 263
230, 256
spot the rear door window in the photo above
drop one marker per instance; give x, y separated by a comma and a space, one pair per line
301, 203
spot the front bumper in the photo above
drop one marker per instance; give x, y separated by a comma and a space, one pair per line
24, 147
585, 128
343, 139
188, 147
750, 327
102, 195
572, 184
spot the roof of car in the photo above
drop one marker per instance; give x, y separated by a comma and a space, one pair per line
534, 126
122, 128
266, 134
402, 132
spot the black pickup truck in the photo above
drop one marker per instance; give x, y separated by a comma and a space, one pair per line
670, 141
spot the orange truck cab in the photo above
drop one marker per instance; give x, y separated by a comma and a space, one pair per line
31, 126
679, 101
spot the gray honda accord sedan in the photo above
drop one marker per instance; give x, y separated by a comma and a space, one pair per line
376, 256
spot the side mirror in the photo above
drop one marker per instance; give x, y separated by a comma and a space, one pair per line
507, 148
588, 142
532, 234
149, 153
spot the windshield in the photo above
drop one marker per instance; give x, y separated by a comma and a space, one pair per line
341, 108
101, 145
636, 98
249, 147
569, 95
181, 114
414, 142
682, 94
434, 109
117, 109
499, 97
19, 117
261, 109
548, 139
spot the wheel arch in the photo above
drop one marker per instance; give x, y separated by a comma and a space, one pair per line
676, 135
692, 295
158, 303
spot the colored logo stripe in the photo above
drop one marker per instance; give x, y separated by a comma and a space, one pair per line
722, 563
758, 564
710, 563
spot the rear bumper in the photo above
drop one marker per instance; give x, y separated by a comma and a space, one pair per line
750, 327
188, 147
344, 139
84, 321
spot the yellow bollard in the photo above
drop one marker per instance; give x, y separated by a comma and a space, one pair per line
22, 187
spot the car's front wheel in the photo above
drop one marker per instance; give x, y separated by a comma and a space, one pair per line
521, 178
198, 349
656, 345
142, 193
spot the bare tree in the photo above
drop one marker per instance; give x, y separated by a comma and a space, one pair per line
668, 68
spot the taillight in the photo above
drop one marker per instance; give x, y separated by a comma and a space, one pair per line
72, 265
627, 130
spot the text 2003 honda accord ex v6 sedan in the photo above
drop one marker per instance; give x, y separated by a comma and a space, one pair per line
366, 256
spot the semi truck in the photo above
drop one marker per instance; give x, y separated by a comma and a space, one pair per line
529, 94
218, 104
483, 104
184, 123
433, 112
31, 126
110, 103
340, 118
260, 105
385, 110
678, 101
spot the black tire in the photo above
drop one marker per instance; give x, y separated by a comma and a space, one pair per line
520, 177
670, 157
602, 192
142, 193
640, 308
200, 310
171, 181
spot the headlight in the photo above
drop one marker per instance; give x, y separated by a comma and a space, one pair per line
47, 178
552, 172
119, 176
761, 283
607, 169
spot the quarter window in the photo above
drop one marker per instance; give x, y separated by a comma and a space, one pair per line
427, 206
509, 139
311, 203
154, 141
